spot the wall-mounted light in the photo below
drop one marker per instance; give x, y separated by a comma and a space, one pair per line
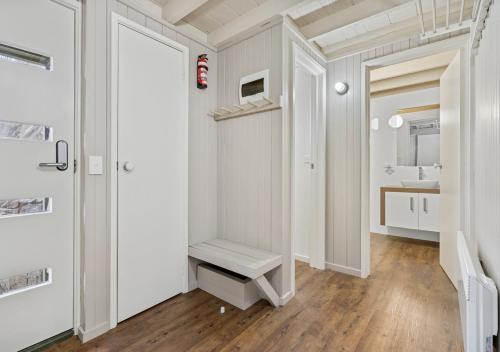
341, 88
396, 121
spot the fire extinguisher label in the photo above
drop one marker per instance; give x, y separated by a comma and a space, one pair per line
202, 71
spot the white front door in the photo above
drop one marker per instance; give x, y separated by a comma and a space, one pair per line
152, 168
37, 116
308, 164
450, 173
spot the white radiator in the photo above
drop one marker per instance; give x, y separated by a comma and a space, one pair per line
478, 299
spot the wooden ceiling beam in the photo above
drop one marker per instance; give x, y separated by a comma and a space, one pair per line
348, 15
176, 10
252, 19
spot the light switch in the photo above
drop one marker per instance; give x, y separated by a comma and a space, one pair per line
95, 165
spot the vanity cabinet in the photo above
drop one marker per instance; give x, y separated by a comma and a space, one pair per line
410, 208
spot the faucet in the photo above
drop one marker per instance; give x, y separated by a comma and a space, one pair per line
420, 173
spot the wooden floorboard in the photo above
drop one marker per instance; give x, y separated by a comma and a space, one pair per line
407, 304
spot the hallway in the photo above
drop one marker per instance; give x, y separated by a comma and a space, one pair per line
407, 304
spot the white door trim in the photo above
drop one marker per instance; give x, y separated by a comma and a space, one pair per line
459, 43
317, 243
117, 20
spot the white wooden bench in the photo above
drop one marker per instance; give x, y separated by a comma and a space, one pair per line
244, 260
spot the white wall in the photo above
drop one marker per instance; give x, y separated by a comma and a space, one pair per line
486, 166
202, 149
383, 151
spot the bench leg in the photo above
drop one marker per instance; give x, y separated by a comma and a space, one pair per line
268, 291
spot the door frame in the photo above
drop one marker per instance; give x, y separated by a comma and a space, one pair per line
116, 21
460, 43
317, 243
76, 7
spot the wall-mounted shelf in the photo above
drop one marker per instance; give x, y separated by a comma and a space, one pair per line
263, 105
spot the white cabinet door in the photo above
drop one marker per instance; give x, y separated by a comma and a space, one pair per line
401, 209
428, 216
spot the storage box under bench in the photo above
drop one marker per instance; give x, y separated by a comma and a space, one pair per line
236, 289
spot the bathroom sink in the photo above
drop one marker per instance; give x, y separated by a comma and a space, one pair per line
420, 183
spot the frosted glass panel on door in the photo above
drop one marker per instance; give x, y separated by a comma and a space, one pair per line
24, 282
23, 207
25, 131
18, 55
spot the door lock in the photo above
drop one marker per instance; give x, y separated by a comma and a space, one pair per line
61, 163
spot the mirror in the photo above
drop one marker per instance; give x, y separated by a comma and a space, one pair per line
418, 139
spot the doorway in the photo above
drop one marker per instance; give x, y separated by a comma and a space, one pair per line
406, 149
308, 159
149, 216
39, 139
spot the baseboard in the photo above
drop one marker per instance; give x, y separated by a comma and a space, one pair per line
343, 269
286, 298
302, 258
87, 335
193, 285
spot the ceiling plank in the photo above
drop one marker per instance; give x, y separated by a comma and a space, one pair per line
254, 18
348, 15
389, 34
409, 79
416, 65
176, 10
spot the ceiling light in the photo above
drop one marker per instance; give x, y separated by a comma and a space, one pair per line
396, 121
341, 88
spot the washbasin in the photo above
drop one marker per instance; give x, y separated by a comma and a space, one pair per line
420, 183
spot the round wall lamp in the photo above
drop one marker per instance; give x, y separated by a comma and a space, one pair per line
396, 121
341, 88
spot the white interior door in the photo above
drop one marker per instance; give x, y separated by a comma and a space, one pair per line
37, 109
450, 173
303, 160
308, 164
152, 170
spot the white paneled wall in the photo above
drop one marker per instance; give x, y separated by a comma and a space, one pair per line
343, 187
486, 174
202, 150
247, 159
249, 149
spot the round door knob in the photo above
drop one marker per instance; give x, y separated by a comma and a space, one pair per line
128, 166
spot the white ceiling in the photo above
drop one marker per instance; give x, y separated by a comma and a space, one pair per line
330, 24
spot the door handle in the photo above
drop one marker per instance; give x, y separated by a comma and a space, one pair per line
411, 204
128, 166
425, 205
61, 163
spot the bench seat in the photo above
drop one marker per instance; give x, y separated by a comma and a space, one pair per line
244, 260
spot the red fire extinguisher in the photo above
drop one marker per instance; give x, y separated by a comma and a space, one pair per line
202, 71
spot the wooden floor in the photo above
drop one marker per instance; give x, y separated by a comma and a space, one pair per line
407, 304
